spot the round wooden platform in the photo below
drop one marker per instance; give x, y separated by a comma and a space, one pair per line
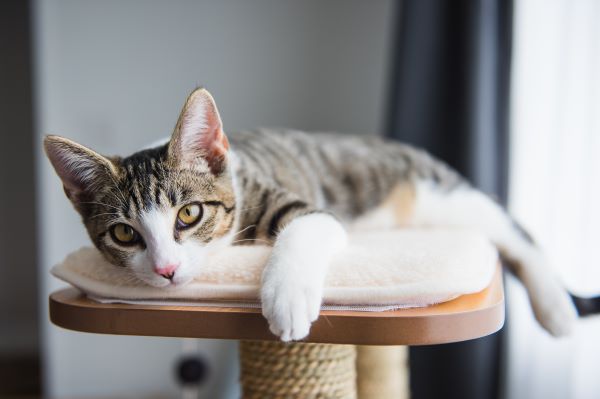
467, 317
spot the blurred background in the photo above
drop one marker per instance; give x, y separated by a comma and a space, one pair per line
508, 93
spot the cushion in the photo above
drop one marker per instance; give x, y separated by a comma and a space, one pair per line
376, 271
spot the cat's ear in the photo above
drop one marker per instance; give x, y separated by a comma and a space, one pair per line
199, 134
81, 170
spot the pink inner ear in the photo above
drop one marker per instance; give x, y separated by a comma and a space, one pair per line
74, 168
80, 169
215, 151
214, 140
202, 133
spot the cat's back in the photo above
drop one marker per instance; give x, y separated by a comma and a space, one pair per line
349, 174
334, 147
331, 153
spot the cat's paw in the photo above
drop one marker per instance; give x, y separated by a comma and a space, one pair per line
293, 279
556, 313
290, 306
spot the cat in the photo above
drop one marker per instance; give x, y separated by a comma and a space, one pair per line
162, 210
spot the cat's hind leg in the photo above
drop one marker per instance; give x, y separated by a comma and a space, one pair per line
466, 207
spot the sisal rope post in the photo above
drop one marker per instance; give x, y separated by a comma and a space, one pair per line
383, 372
272, 369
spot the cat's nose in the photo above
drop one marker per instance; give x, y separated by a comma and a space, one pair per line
167, 271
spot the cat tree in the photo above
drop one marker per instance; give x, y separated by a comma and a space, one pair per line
313, 367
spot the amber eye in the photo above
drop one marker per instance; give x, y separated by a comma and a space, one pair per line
189, 215
124, 234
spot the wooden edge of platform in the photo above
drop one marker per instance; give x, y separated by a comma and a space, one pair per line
466, 317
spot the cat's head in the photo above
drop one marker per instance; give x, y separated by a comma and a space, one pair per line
160, 211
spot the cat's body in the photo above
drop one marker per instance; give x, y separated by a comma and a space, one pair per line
161, 210
351, 177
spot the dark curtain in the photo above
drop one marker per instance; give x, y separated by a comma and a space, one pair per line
449, 94
20, 373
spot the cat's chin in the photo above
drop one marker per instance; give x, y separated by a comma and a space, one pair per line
180, 282
176, 283
157, 284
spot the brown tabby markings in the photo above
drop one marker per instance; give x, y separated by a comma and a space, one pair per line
281, 175
249, 194
287, 174
145, 180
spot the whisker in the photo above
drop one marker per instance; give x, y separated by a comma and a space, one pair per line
122, 199
118, 198
101, 203
244, 229
106, 213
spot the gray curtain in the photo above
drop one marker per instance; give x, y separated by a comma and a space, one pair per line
449, 94
20, 372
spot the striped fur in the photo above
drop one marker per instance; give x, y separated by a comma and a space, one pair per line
282, 188
284, 174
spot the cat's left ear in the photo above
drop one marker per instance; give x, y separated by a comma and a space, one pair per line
199, 134
81, 169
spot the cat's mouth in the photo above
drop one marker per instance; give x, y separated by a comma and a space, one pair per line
173, 283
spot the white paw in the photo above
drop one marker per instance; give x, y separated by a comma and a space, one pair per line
556, 313
290, 306
293, 279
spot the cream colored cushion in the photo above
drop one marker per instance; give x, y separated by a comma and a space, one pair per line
377, 271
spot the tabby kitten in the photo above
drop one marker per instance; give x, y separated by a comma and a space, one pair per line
161, 211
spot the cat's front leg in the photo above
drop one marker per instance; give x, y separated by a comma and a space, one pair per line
293, 279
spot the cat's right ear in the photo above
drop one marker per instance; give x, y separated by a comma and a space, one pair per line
199, 134
81, 170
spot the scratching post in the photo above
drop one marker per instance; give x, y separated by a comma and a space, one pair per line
271, 369
382, 372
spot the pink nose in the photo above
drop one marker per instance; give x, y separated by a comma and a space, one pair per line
167, 271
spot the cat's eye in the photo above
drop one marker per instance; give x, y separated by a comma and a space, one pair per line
124, 234
189, 215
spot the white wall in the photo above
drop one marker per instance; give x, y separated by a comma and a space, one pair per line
113, 75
